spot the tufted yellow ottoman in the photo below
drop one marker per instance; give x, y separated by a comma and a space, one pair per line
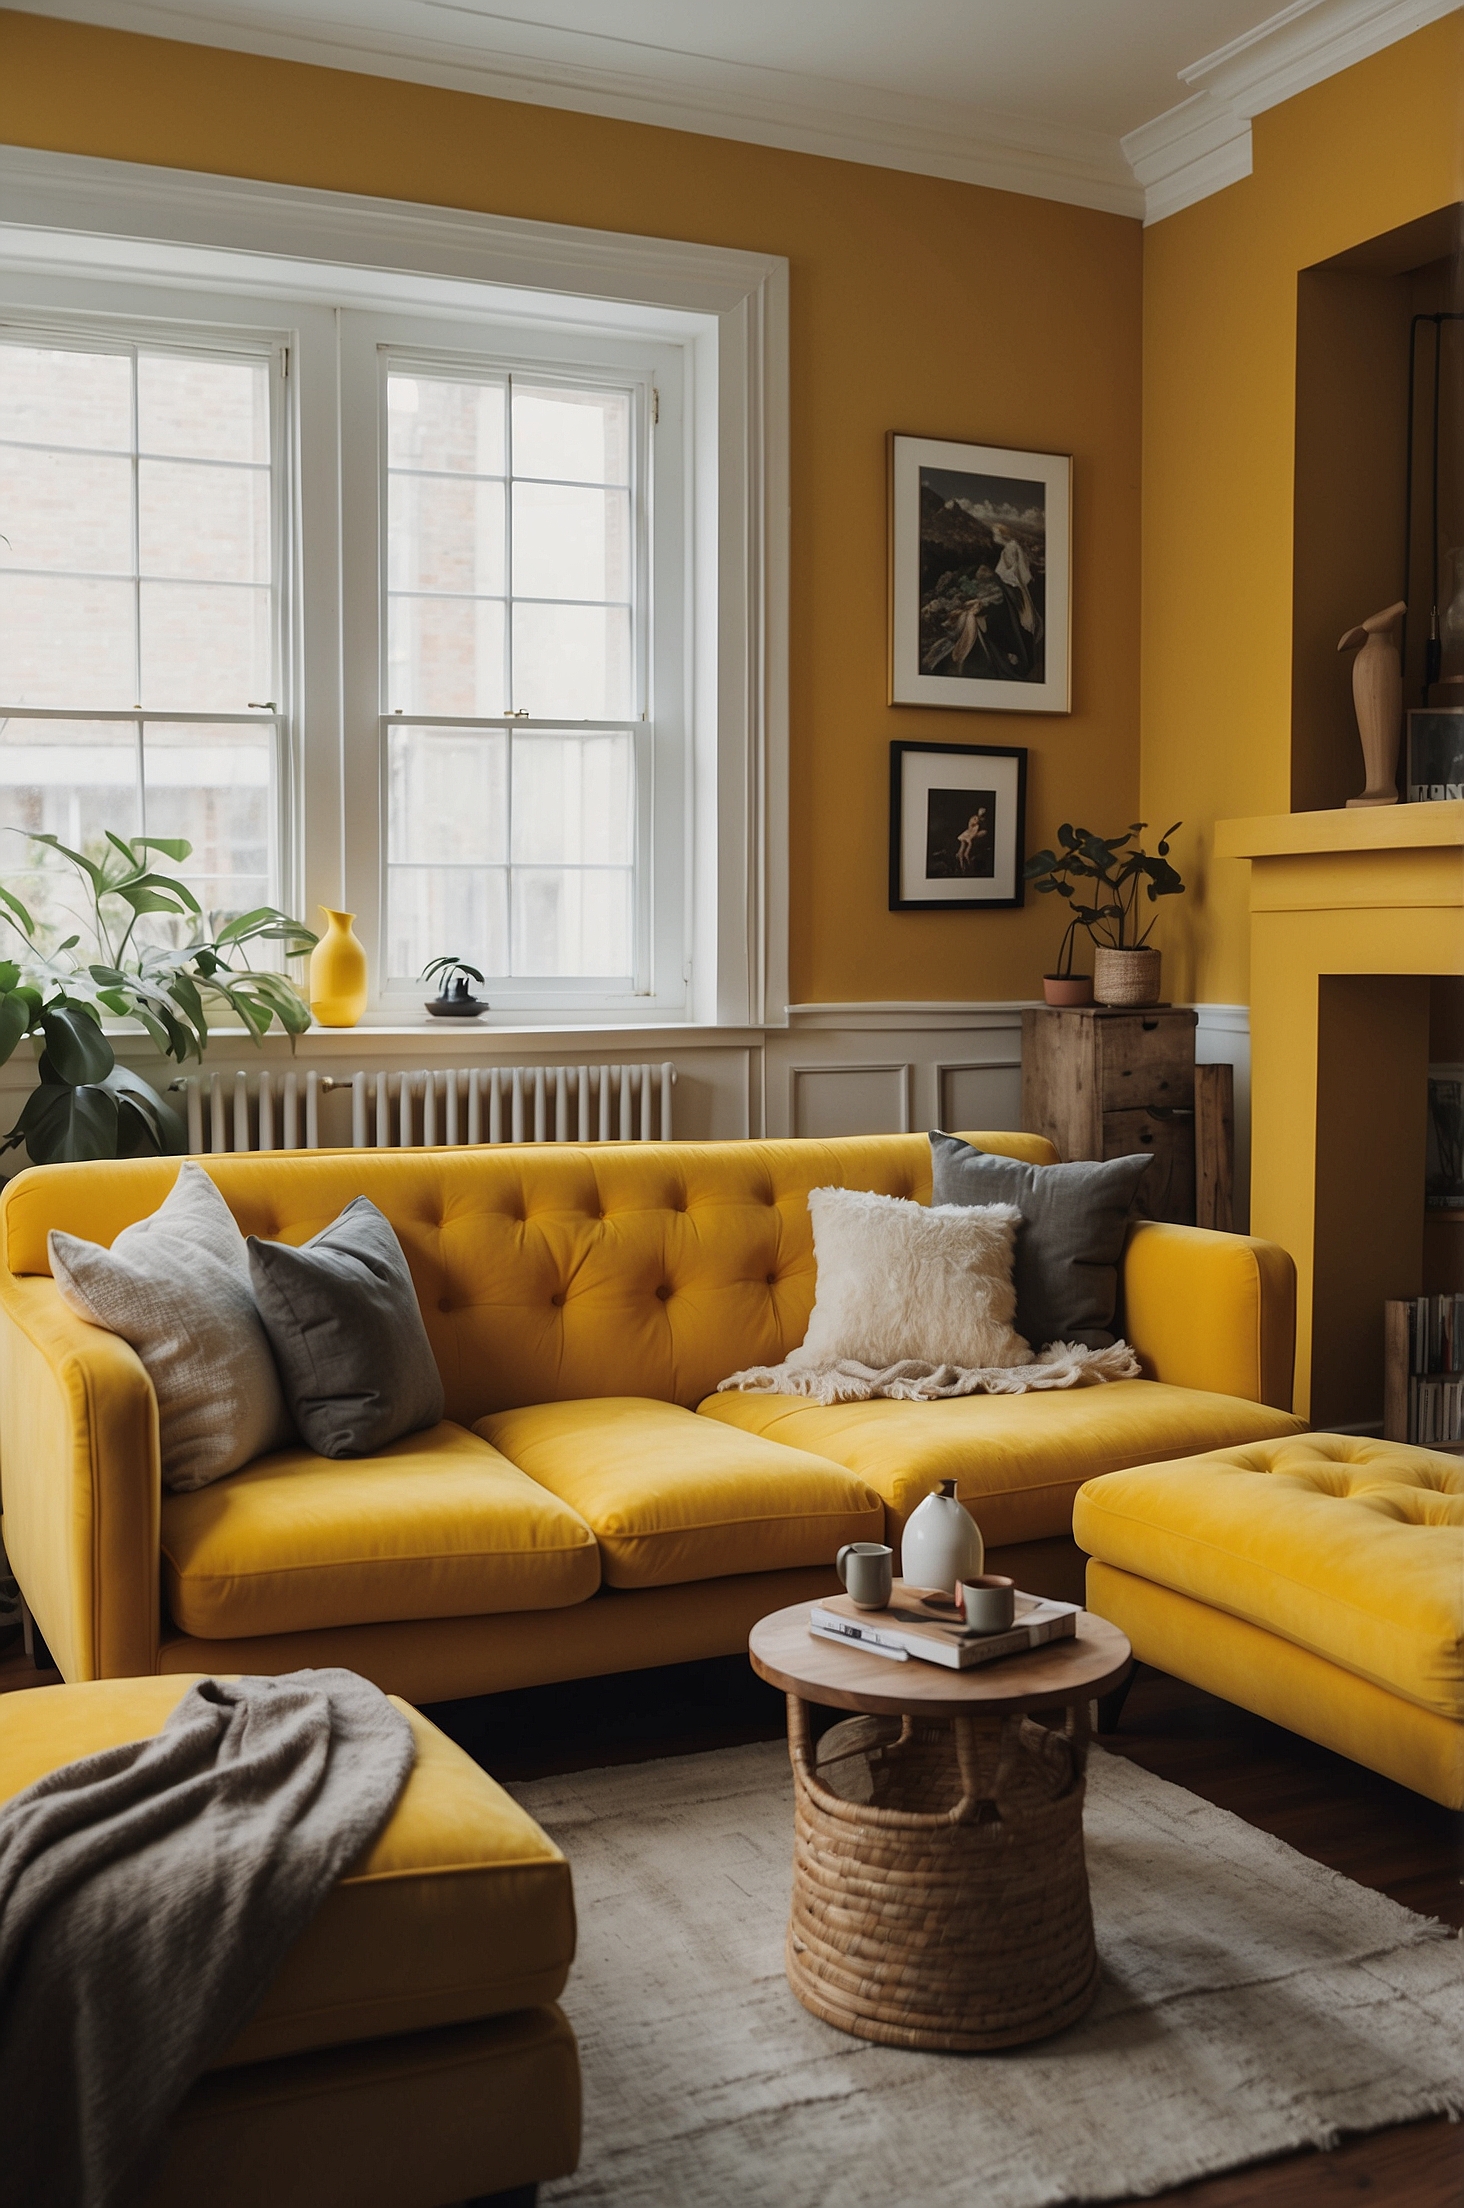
1318, 1581
409, 2054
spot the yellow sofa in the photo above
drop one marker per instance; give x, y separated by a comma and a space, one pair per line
409, 2052
1317, 1581
589, 1504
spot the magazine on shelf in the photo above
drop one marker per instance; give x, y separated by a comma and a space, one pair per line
909, 1627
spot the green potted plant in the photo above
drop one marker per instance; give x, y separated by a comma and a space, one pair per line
454, 999
1123, 878
86, 1105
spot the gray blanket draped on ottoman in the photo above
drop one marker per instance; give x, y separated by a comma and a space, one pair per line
148, 1895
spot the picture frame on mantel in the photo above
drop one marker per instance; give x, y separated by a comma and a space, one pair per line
958, 820
980, 576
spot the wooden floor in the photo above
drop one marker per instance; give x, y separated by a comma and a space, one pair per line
1361, 1825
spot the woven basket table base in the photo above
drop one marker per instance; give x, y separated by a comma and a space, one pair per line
940, 1892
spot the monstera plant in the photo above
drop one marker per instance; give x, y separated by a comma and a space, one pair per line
86, 1105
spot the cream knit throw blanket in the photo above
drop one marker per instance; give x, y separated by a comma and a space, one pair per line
1061, 1365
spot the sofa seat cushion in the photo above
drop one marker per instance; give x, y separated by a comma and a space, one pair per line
673, 1497
1349, 1547
436, 1525
1017, 1460
462, 1909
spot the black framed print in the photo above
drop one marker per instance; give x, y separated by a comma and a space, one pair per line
1435, 754
980, 576
957, 826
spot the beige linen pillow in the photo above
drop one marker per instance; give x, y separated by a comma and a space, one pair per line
176, 1286
931, 1283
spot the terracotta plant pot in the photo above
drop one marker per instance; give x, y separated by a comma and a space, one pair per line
1126, 977
1068, 989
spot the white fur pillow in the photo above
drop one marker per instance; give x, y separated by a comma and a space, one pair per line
896, 1280
176, 1286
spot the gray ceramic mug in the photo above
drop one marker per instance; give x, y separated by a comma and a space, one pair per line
867, 1569
989, 1602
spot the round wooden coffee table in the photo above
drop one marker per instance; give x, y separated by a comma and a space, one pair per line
940, 1894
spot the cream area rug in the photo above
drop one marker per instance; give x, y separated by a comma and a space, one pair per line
1252, 2002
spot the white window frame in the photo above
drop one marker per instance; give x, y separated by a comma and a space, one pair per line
261, 254
654, 372
89, 317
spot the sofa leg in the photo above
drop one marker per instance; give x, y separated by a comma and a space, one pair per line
1110, 1706
34, 1646
517, 2196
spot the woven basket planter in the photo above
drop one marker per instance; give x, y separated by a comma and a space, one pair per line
940, 1894
1126, 977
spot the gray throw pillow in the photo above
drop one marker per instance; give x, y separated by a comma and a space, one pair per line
1074, 1221
176, 1286
343, 1321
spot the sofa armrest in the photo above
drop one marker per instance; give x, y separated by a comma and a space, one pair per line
80, 1482
1212, 1311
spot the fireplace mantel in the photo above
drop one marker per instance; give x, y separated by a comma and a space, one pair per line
1361, 828
1351, 913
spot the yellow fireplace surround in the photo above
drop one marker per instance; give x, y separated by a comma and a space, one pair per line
1351, 913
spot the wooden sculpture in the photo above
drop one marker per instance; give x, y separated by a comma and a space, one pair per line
1377, 697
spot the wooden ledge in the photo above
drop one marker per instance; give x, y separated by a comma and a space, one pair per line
1363, 828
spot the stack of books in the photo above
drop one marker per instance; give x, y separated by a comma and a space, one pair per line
917, 1624
1435, 1370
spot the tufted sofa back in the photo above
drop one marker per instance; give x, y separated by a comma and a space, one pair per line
545, 1272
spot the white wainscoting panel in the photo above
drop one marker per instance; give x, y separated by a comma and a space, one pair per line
973, 1096
849, 1100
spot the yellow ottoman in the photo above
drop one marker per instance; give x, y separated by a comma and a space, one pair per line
1318, 1581
409, 2053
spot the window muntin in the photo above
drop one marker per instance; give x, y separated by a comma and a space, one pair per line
140, 605
513, 604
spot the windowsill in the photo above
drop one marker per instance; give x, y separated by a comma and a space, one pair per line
446, 1042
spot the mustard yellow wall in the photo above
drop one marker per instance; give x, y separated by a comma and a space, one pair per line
917, 304
1371, 149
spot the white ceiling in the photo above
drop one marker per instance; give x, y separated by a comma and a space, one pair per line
1034, 95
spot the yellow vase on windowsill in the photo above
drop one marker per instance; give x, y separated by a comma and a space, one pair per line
338, 973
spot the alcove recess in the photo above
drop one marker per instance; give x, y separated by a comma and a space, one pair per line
1443, 1231
1353, 315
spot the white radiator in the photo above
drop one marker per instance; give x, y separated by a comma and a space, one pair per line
409, 1111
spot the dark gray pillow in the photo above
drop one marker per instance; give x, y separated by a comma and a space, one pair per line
342, 1319
1074, 1220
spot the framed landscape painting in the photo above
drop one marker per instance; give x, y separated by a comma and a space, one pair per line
957, 823
980, 576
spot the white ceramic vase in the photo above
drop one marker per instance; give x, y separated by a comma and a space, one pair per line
942, 1543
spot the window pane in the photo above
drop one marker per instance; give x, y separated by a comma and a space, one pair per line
205, 646
445, 655
67, 510
572, 662
203, 521
448, 795
574, 436
204, 409
66, 642
569, 542
214, 786
569, 921
572, 798
72, 779
435, 424
52, 396
445, 534
460, 912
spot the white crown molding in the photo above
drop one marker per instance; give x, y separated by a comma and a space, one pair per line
1197, 147
1204, 143
768, 107
1306, 43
